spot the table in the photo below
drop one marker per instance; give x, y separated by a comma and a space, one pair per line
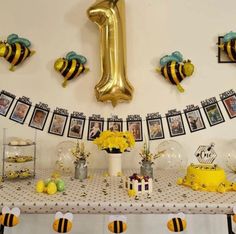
105, 195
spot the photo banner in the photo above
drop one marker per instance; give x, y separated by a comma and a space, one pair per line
62, 123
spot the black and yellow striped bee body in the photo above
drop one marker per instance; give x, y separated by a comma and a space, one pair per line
69, 68
176, 224
14, 53
8, 220
117, 226
230, 49
173, 72
62, 225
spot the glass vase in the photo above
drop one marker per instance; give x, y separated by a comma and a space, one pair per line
146, 169
81, 170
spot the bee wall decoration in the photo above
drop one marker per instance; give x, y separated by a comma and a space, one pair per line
71, 66
176, 222
117, 224
63, 223
9, 217
15, 50
228, 45
174, 69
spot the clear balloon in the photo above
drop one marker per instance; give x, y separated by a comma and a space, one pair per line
114, 86
230, 155
65, 159
173, 156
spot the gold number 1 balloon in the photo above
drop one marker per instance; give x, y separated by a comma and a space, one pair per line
114, 86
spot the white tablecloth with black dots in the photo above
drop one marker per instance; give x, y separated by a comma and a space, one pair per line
106, 195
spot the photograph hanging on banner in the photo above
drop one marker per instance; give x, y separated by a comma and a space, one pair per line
135, 127
58, 124
39, 118
95, 127
213, 113
195, 121
5, 103
176, 125
76, 127
20, 112
155, 129
230, 105
115, 126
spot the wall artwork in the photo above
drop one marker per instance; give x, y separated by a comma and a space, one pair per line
21, 110
212, 111
58, 122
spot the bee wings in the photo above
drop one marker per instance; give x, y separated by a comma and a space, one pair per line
117, 217
68, 216
15, 210
58, 215
179, 215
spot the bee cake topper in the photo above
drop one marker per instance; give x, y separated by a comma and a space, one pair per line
176, 222
228, 45
15, 50
206, 154
174, 69
117, 223
71, 66
63, 222
9, 217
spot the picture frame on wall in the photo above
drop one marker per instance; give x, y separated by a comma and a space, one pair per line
95, 127
6, 101
212, 111
115, 124
229, 100
175, 123
134, 125
58, 122
76, 125
21, 110
222, 55
194, 118
154, 126
39, 116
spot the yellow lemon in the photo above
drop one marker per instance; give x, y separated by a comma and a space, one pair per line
40, 186
51, 188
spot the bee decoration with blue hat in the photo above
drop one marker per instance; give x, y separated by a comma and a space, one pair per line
15, 50
228, 45
174, 69
9, 217
71, 66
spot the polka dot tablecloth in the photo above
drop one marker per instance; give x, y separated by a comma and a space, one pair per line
106, 195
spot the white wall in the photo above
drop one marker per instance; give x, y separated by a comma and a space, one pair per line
154, 28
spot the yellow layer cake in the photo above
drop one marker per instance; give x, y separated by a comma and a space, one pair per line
207, 177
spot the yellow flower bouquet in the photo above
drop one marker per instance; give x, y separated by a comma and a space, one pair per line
115, 142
